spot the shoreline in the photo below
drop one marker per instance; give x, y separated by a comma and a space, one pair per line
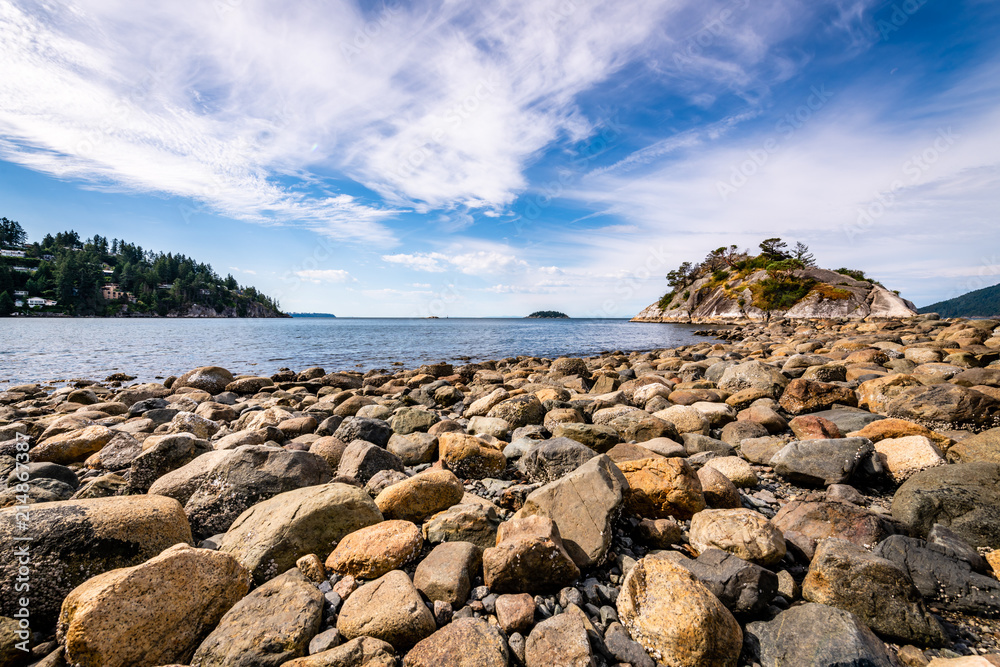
761, 446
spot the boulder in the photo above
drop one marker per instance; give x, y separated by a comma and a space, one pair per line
941, 577
529, 557
465, 642
154, 613
753, 375
375, 431
899, 428
421, 496
811, 427
270, 536
802, 396
362, 460
876, 394
212, 379
470, 457
481, 406
945, 402
219, 486
685, 419
806, 523
360, 652
551, 459
72, 446
821, 462
734, 433
515, 612
118, 454
414, 448
662, 487
983, 446
249, 385
471, 522
75, 540
742, 532
162, 454
584, 504
736, 469
519, 410
744, 587
719, 491
908, 455
876, 590
390, 609
268, 627
560, 641
816, 635
688, 626
447, 573
599, 438
372, 551
412, 420
964, 497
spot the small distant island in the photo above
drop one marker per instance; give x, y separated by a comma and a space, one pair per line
66, 276
547, 315
312, 314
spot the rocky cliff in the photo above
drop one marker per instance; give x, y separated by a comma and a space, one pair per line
831, 295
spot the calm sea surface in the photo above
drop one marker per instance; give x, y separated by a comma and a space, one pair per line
44, 350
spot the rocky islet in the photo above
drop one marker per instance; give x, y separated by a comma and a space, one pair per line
744, 501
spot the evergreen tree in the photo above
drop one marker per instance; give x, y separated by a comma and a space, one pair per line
6, 304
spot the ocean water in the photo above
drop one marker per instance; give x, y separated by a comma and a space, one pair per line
53, 350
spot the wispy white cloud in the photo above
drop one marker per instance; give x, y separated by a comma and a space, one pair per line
325, 276
471, 263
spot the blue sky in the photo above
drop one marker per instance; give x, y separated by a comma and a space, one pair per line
465, 158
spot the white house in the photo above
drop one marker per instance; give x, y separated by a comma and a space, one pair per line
20, 292
18, 304
36, 302
50, 302
11, 253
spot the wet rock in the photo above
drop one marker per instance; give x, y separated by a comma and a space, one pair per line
690, 626
268, 627
212, 379
154, 613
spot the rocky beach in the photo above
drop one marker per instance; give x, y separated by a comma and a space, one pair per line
801, 492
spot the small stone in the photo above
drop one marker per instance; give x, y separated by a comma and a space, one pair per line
312, 567
515, 612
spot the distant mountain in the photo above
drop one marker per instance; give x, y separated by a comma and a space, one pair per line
981, 303
312, 314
